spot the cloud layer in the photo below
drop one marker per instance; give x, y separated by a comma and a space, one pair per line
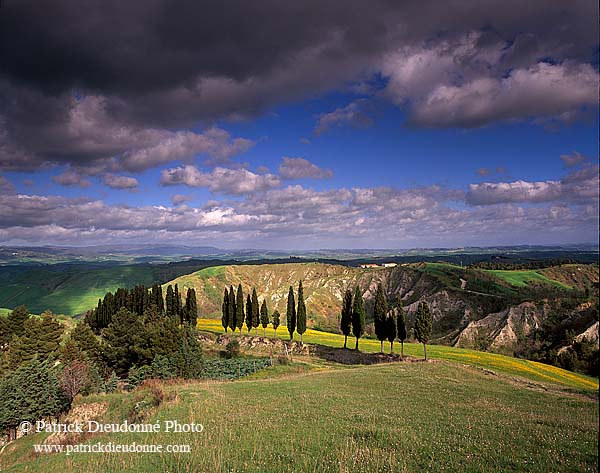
83, 90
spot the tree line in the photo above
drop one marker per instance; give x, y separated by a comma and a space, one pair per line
390, 324
139, 298
520, 265
234, 313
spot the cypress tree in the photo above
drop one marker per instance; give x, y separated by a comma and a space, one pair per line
178, 305
264, 317
239, 307
391, 330
170, 302
380, 315
276, 320
423, 324
358, 315
291, 313
191, 307
232, 310
156, 298
346, 320
225, 310
255, 309
248, 313
301, 313
401, 325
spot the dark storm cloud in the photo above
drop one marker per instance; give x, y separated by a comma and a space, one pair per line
111, 86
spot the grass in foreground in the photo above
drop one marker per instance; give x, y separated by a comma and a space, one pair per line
384, 418
499, 363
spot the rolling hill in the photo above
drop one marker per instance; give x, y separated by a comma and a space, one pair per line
512, 305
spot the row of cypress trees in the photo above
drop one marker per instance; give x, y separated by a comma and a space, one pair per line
389, 324
233, 313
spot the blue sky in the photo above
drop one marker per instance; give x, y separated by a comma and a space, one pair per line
446, 132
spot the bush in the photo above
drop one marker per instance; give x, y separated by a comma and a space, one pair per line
232, 350
110, 385
215, 368
137, 375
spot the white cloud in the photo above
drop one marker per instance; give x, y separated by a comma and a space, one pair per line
463, 83
353, 114
300, 168
572, 160
120, 182
71, 178
578, 187
179, 199
220, 180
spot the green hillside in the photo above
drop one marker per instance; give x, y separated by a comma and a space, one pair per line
482, 292
384, 418
71, 291
524, 278
502, 364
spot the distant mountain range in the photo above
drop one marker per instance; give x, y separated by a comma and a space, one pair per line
132, 253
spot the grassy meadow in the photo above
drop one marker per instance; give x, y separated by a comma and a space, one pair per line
399, 417
522, 278
532, 370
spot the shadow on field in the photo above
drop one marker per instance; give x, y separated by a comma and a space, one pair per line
347, 356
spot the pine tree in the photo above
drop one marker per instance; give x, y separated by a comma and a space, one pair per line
248, 313
358, 315
423, 324
401, 325
239, 306
264, 317
255, 309
16, 320
187, 360
346, 319
225, 310
126, 339
380, 315
232, 310
291, 313
4, 332
111, 383
276, 320
162, 335
41, 338
301, 313
30, 393
391, 330
83, 336
49, 335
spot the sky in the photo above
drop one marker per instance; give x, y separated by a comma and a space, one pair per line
299, 125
